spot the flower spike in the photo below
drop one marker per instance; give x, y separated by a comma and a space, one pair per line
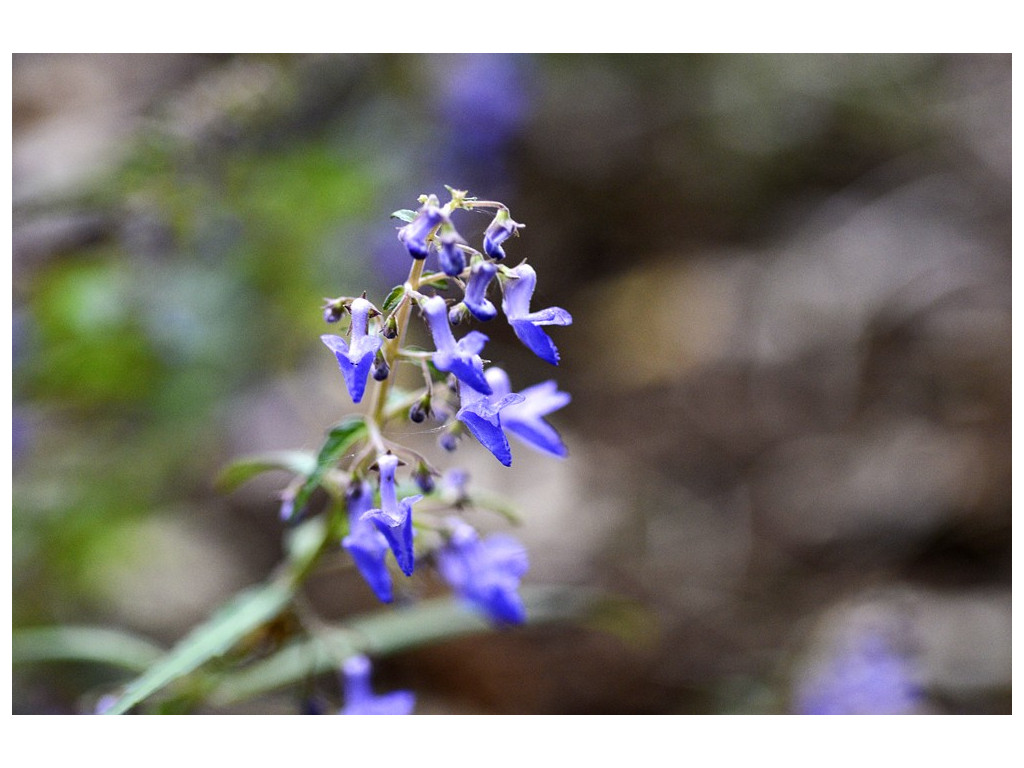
518, 290
356, 356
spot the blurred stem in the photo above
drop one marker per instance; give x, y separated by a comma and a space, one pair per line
392, 347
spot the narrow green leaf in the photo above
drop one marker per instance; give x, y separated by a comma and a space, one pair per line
393, 298
441, 283
247, 611
247, 467
390, 631
92, 644
404, 215
340, 438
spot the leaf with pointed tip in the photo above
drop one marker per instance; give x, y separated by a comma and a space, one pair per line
93, 644
340, 438
404, 215
393, 298
247, 467
247, 611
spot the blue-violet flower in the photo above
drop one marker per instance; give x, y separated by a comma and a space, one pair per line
497, 232
451, 257
356, 356
865, 677
394, 518
414, 234
476, 290
367, 545
461, 358
485, 574
481, 415
524, 418
518, 290
359, 696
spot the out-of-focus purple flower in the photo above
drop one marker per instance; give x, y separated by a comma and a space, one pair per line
450, 256
498, 231
476, 291
481, 415
518, 290
414, 234
367, 545
461, 358
483, 102
356, 356
865, 677
486, 573
359, 696
394, 518
524, 418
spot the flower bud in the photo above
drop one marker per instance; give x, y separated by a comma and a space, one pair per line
448, 441
497, 232
451, 257
380, 369
414, 234
423, 478
457, 313
390, 330
420, 409
333, 310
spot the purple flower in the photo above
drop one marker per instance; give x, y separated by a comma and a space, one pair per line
524, 418
356, 356
480, 414
476, 290
359, 696
461, 358
497, 232
366, 544
451, 257
485, 574
394, 518
414, 234
866, 677
516, 304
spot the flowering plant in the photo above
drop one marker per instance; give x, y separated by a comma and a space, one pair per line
388, 506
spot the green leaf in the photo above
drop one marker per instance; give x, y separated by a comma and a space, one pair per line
247, 467
393, 298
339, 440
390, 631
441, 283
247, 611
93, 644
404, 215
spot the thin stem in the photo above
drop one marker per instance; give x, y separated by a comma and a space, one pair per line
391, 347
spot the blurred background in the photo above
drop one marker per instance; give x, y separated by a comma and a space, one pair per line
790, 363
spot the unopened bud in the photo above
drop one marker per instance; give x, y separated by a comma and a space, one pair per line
423, 477
457, 313
390, 330
380, 368
333, 310
420, 409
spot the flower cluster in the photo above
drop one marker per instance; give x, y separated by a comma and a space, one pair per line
456, 390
